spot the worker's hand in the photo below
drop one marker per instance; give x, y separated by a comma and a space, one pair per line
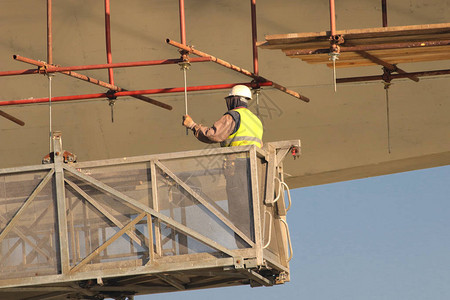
188, 122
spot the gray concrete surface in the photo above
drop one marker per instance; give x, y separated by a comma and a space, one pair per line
344, 134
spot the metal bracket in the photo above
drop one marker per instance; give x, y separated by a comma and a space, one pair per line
276, 152
112, 100
43, 70
251, 263
256, 279
185, 65
335, 50
66, 155
63, 155
238, 262
282, 278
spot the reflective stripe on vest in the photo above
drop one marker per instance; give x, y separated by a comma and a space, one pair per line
250, 130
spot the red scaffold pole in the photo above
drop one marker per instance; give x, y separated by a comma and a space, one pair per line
128, 93
182, 23
49, 33
254, 38
332, 18
384, 12
108, 40
52, 69
236, 68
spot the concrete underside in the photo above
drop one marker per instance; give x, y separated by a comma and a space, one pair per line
344, 134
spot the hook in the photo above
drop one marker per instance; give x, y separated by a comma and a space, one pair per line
387, 84
111, 101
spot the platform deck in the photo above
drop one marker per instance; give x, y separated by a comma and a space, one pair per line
295, 44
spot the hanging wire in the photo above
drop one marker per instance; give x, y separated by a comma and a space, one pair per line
257, 93
386, 88
50, 108
333, 57
185, 91
184, 66
111, 105
185, 96
334, 72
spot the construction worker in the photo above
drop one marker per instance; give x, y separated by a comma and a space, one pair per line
237, 127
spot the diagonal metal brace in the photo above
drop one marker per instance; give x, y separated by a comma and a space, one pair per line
103, 211
205, 203
33, 195
97, 251
141, 207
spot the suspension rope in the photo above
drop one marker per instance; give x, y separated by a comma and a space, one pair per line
333, 57
184, 66
386, 88
257, 93
185, 91
49, 75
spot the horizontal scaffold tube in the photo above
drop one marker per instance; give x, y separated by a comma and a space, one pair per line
21, 72
129, 93
393, 76
355, 48
95, 81
235, 68
53, 69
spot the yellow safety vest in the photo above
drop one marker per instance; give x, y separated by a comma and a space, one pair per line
250, 130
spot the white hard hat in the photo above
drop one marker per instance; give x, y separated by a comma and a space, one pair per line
242, 91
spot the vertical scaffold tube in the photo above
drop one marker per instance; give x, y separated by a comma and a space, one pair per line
50, 110
182, 23
254, 38
384, 11
185, 94
49, 33
332, 18
108, 40
184, 65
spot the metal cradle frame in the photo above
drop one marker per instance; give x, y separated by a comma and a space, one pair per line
54, 267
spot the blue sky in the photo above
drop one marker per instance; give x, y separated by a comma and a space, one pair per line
384, 237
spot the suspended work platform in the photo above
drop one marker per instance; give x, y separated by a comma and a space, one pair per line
357, 47
140, 225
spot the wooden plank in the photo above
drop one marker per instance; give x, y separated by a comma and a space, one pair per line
367, 37
367, 63
426, 29
392, 56
397, 39
324, 44
383, 54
